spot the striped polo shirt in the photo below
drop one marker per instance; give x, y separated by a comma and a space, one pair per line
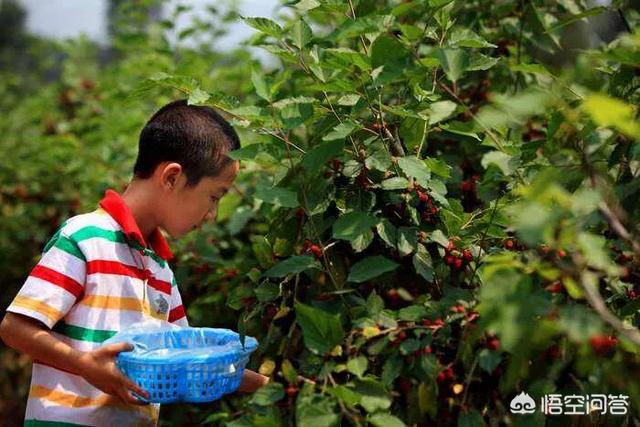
96, 276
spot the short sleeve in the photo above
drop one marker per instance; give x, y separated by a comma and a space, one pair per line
54, 284
177, 314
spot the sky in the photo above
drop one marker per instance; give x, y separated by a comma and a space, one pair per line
69, 18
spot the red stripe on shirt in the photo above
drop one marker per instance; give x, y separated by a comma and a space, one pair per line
160, 285
56, 278
176, 314
114, 267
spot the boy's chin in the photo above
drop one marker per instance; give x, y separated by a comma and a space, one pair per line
176, 234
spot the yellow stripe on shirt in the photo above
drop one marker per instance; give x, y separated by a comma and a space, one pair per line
71, 400
120, 303
39, 306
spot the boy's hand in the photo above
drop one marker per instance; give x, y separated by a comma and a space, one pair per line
251, 381
99, 368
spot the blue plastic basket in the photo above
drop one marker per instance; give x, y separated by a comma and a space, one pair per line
185, 364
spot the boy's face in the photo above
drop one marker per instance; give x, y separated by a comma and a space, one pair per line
187, 208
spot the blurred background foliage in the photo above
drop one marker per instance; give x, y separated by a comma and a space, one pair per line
437, 207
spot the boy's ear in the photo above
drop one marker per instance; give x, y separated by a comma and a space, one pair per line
170, 174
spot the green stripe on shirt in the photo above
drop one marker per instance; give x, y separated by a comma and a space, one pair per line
69, 246
92, 232
40, 423
82, 334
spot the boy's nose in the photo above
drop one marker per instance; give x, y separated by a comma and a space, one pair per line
211, 215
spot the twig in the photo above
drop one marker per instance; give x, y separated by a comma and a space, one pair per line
593, 297
468, 380
484, 235
484, 127
619, 228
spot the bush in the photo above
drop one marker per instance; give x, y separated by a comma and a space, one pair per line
433, 216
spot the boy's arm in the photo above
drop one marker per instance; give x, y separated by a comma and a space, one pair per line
251, 381
97, 367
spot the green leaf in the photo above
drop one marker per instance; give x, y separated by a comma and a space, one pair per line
579, 322
344, 58
358, 366
428, 397
292, 265
415, 168
321, 330
306, 5
438, 111
423, 263
183, 83
612, 112
378, 157
264, 25
375, 304
391, 369
341, 131
590, 12
353, 225
505, 162
471, 418
301, 34
349, 100
438, 166
267, 292
387, 51
260, 84
289, 372
594, 251
517, 108
413, 313
345, 394
362, 25
370, 267
316, 410
439, 237
489, 360
396, 183
538, 69
315, 158
478, 62
531, 220
454, 62
407, 240
268, 394
386, 420
388, 232
294, 111
374, 395
464, 37
436, 4
278, 196
413, 131
462, 128
198, 96
248, 152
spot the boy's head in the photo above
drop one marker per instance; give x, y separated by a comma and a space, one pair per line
182, 155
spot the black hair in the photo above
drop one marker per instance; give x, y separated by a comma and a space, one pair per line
196, 137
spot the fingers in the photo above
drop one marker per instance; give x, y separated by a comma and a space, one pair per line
126, 397
114, 349
135, 387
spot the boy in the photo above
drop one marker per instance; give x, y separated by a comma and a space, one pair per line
108, 269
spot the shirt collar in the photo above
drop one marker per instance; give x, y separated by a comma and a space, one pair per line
115, 206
